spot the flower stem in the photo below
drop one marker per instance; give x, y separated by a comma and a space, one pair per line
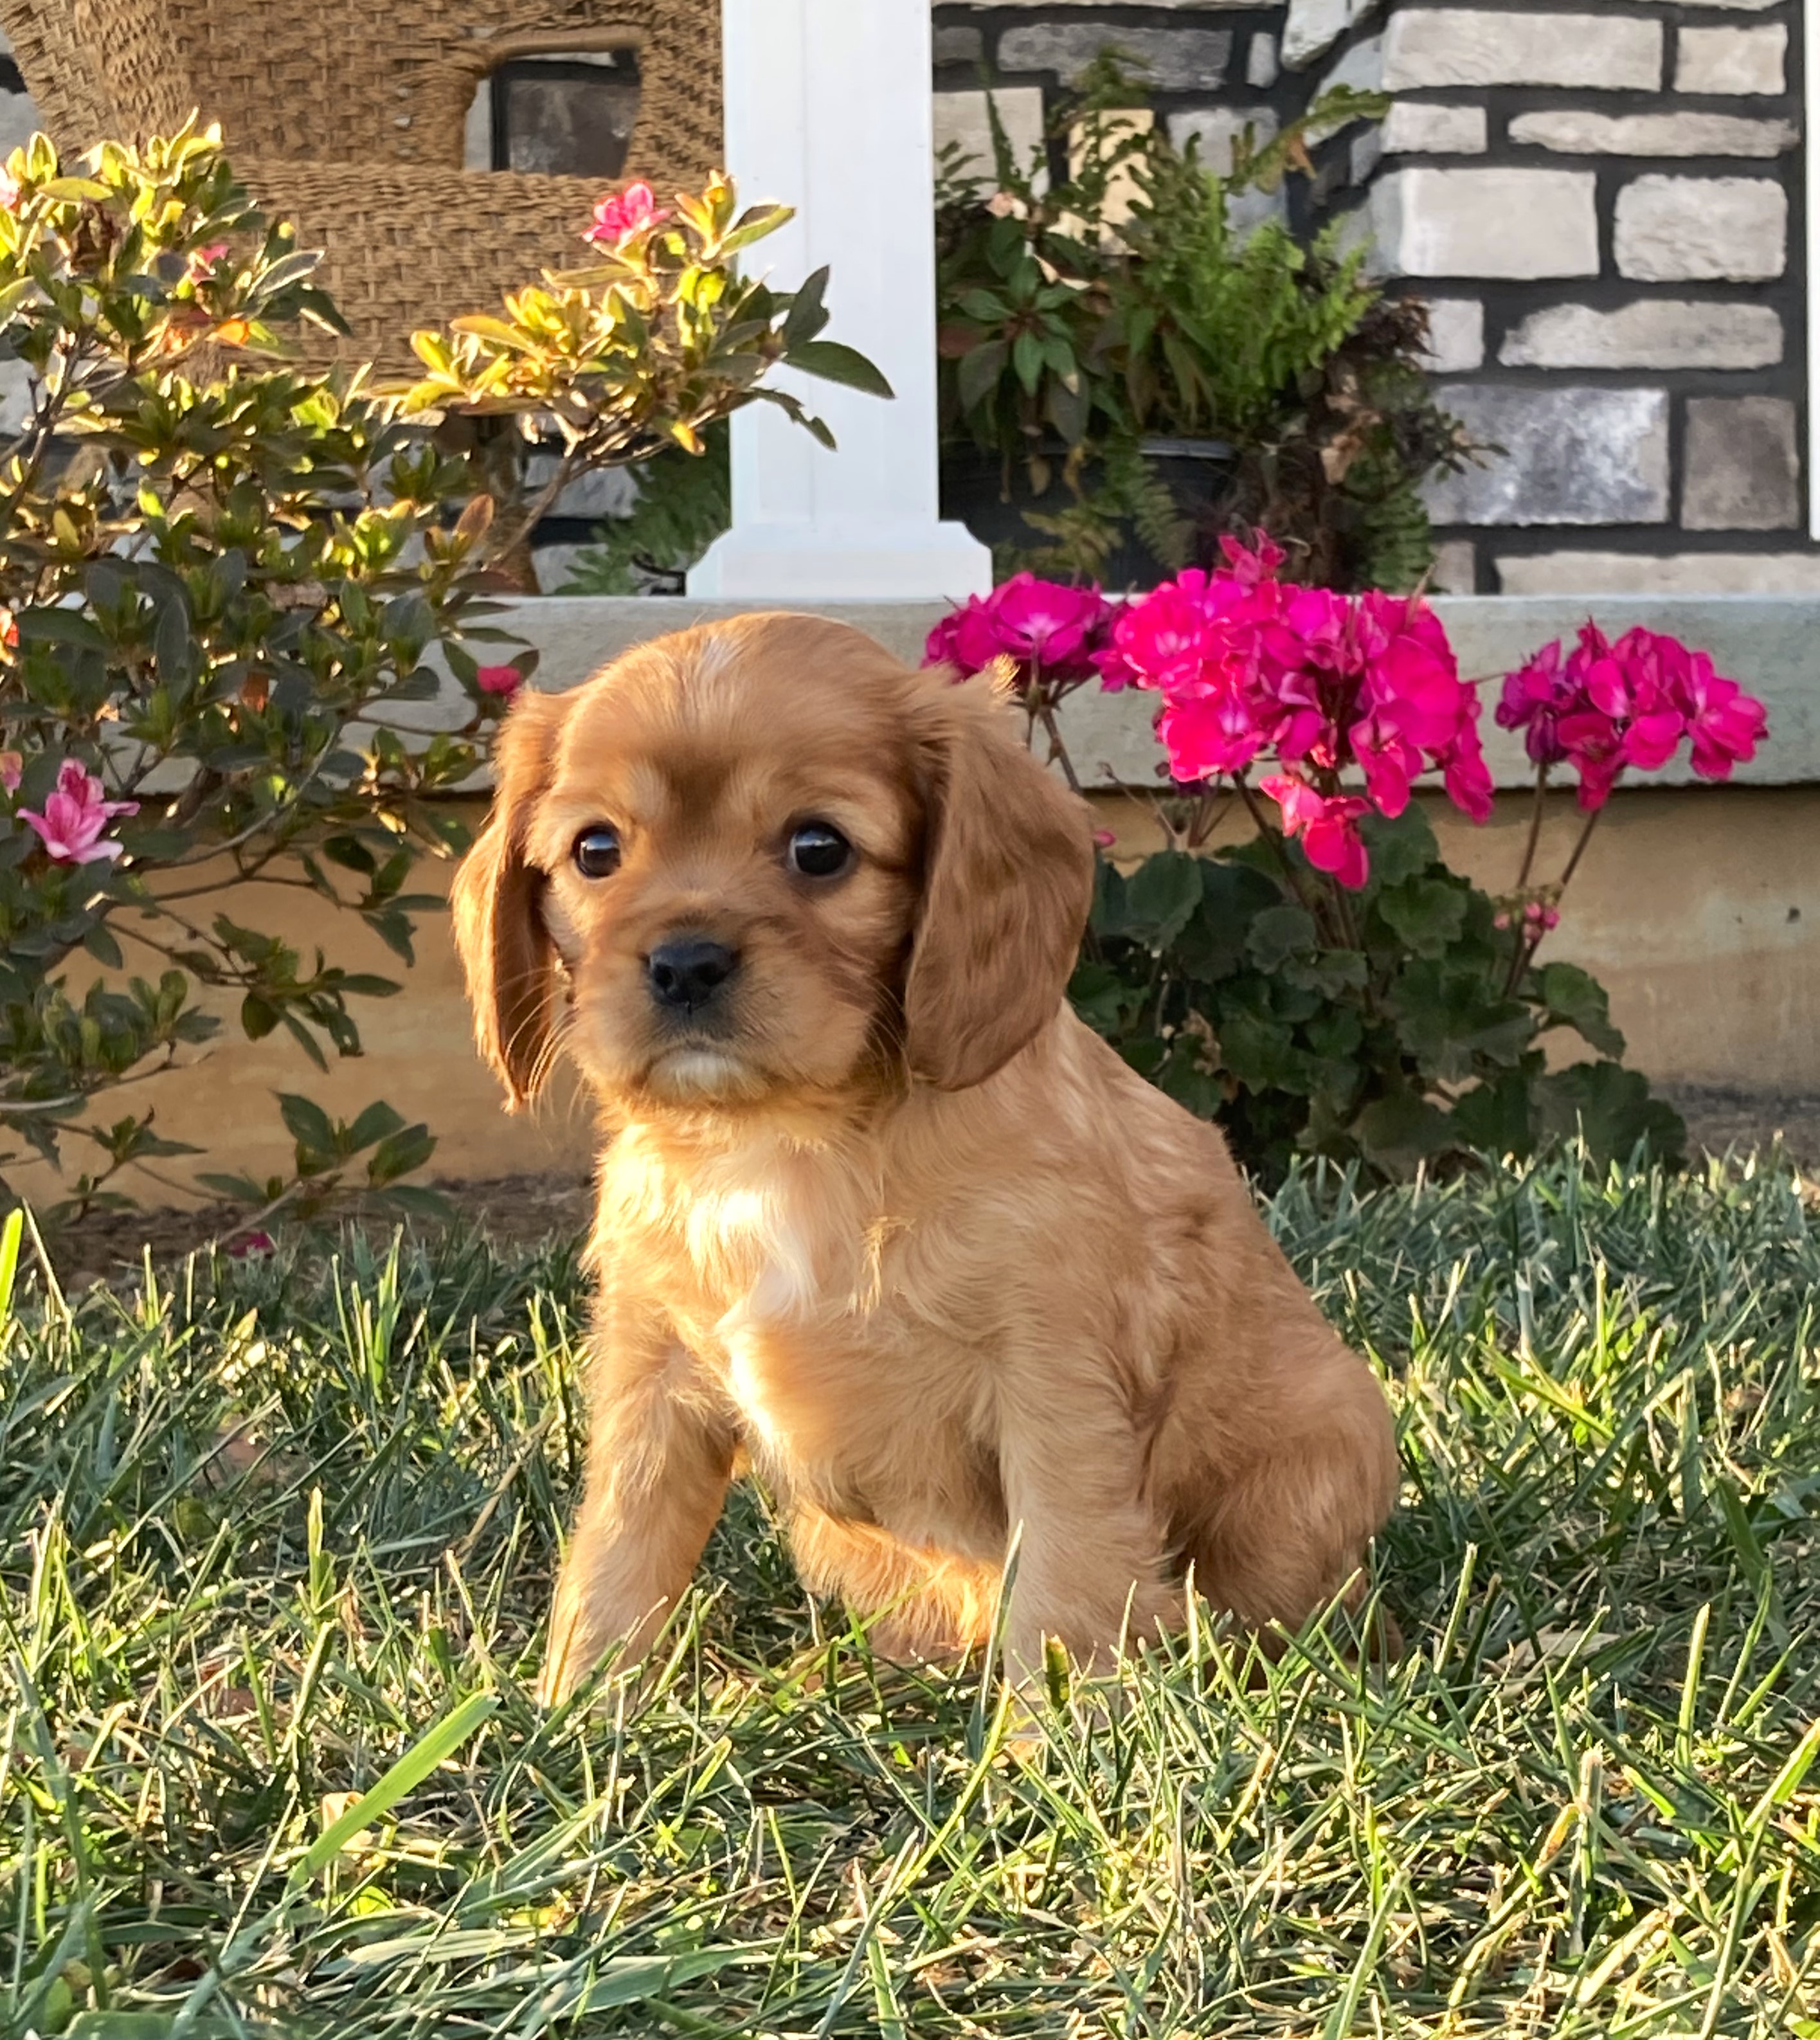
1535, 826
1274, 837
1573, 865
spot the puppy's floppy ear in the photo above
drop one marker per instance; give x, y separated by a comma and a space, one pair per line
505, 950
1006, 892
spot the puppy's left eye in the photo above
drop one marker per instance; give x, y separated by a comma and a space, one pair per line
597, 850
818, 850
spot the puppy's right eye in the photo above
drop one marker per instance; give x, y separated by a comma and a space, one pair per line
597, 850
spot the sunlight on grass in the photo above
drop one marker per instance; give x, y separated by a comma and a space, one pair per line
277, 1542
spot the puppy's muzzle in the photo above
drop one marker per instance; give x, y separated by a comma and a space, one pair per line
688, 974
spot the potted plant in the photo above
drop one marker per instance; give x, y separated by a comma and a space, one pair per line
1123, 384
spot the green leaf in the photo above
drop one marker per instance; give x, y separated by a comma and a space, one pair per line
1425, 915
374, 1124
309, 1125
833, 362
1400, 848
400, 1154
1575, 1000
1160, 896
1611, 1108
639, 1979
1027, 360
100, 945
978, 374
1402, 1129
808, 314
405, 1776
1278, 933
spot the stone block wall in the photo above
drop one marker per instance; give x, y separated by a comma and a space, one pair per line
1602, 201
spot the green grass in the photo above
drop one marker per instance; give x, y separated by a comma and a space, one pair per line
283, 1534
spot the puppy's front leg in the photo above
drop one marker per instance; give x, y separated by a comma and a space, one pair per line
659, 1461
1089, 1557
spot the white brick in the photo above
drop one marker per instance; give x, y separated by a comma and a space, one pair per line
1420, 128
1456, 335
1440, 46
1677, 573
1735, 61
1571, 456
1260, 64
1672, 229
1574, 132
1511, 223
1362, 68
1454, 571
1215, 130
1654, 332
1313, 26
961, 117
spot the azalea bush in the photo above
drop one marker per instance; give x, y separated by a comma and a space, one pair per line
638, 353
1324, 983
224, 581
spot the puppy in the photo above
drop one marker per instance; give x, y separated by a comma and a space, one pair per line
878, 1213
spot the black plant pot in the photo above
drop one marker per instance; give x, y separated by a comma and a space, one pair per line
1197, 473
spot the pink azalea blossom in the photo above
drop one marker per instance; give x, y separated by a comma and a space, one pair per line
12, 770
620, 216
498, 680
249, 1243
75, 816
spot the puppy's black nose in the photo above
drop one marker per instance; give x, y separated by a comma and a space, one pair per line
686, 974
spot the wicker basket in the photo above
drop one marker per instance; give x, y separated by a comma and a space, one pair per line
349, 120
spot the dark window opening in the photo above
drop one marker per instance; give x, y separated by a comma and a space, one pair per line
565, 116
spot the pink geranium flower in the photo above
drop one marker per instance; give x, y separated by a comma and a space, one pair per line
1051, 632
1327, 824
1725, 723
504, 680
621, 214
75, 816
1046, 622
967, 639
1533, 700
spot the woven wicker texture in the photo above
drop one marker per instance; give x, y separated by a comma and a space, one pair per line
349, 119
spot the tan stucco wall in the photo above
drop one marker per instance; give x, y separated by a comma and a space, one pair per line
1699, 909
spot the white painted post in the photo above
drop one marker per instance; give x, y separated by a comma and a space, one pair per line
828, 109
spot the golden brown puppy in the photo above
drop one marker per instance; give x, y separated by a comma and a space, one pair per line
876, 1210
